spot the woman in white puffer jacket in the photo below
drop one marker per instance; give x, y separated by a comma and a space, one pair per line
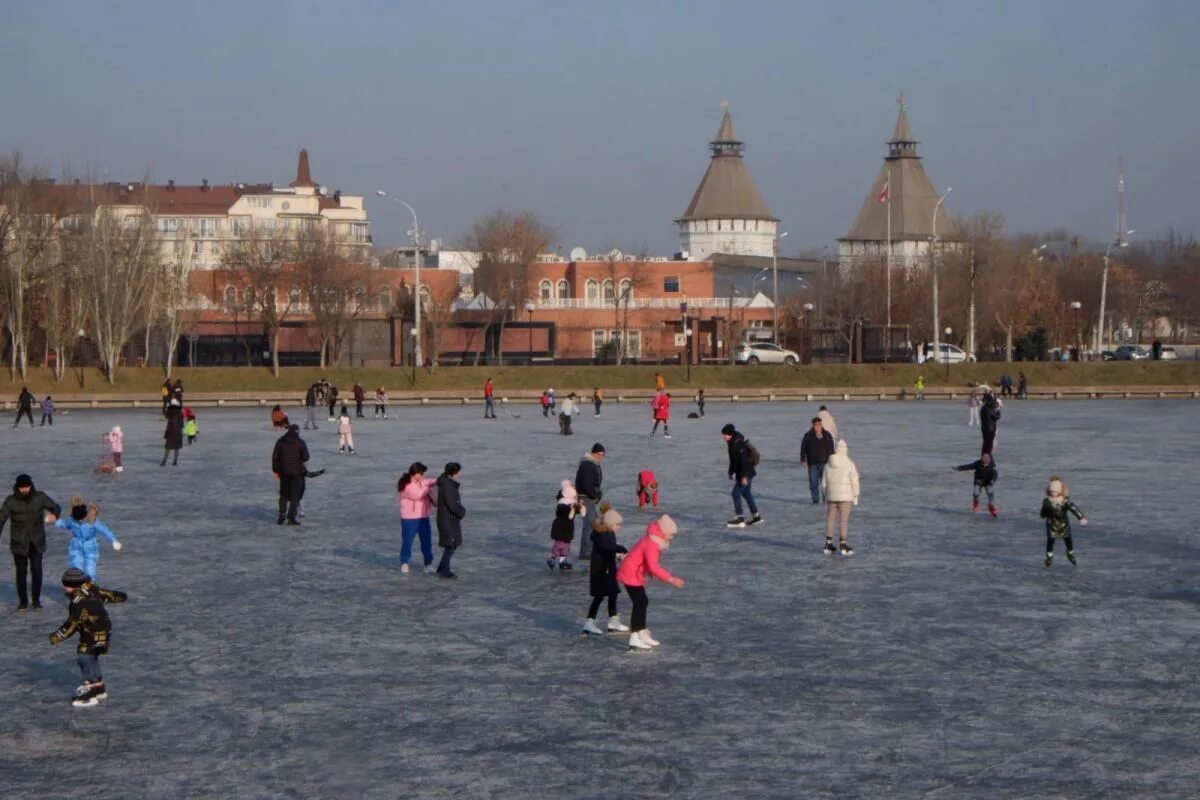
840, 487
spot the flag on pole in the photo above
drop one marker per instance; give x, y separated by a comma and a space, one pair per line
887, 189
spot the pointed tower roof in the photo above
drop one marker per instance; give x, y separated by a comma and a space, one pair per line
303, 175
726, 191
913, 196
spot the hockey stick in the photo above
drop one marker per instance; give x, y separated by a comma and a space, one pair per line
511, 413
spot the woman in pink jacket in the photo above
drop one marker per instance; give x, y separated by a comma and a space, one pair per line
641, 562
416, 503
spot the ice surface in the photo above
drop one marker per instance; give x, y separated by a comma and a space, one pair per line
943, 660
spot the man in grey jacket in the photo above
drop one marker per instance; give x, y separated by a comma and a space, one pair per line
588, 478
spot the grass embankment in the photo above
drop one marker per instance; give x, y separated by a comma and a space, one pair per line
470, 379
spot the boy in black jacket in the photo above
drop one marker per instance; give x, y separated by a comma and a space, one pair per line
985, 481
90, 620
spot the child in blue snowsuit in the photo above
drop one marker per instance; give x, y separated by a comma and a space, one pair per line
84, 524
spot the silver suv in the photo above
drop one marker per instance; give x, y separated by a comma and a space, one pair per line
765, 353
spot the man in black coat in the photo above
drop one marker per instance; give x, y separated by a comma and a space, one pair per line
742, 473
24, 407
312, 399
588, 478
288, 462
815, 449
989, 418
29, 510
450, 512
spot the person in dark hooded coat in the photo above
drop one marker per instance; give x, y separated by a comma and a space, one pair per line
29, 510
173, 435
450, 513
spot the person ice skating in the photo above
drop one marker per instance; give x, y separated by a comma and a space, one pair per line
279, 419
288, 462
345, 433
588, 478
416, 503
48, 411
919, 385
562, 530
1056, 510
643, 562
489, 400
381, 402
973, 404
602, 572
88, 618
989, 419
742, 460
827, 422
569, 409
191, 425
308, 475
553, 402
84, 525
661, 408
1006, 385
116, 441
450, 513
24, 407
360, 397
597, 400
311, 402
647, 489
815, 449
1022, 386
660, 383
985, 481
29, 511
700, 402
173, 435
839, 482
177, 393
331, 397
546, 402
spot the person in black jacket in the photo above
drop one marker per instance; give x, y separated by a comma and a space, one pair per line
311, 401
89, 619
331, 397
602, 572
29, 510
24, 407
173, 435
288, 460
742, 473
989, 417
815, 449
985, 480
450, 513
588, 478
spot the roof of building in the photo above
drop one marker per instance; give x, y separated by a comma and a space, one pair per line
727, 191
303, 173
911, 196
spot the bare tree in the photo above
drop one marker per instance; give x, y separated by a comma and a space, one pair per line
174, 297
507, 244
66, 306
260, 260
622, 279
337, 290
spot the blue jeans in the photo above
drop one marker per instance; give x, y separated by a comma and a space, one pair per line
489, 406
409, 529
815, 473
89, 667
740, 491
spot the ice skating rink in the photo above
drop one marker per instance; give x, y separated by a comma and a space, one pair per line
943, 660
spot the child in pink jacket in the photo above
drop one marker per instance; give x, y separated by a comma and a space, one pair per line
116, 440
416, 502
345, 432
647, 489
641, 562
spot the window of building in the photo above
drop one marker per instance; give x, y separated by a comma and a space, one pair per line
208, 226
671, 283
626, 290
385, 299
239, 225
168, 224
608, 290
598, 340
592, 290
231, 298
545, 291
424, 295
564, 290
633, 344
258, 202
360, 298
294, 296
249, 296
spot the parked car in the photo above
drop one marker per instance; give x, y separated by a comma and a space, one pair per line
1130, 352
765, 353
947, 354
1168, 354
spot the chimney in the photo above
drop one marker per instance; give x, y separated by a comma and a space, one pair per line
204, 185
171, 185
337, 196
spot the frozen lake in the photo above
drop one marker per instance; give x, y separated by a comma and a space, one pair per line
943, 660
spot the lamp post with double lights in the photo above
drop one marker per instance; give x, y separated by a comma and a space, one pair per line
946, 355
1119, 242
416, 238
933, 240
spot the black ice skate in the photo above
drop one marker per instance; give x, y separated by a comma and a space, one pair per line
846, 549
755, 520
736, 522
1071, 558
829, 548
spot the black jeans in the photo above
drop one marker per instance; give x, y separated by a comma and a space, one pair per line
637, 619
358, 408
443, 567
48, 418
26, 564
291, 492
24, 412
989, 442
597, 600
1066, 540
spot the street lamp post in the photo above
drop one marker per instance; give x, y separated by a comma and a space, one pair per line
413, 333
806, 337
1075, 306
1121, 241
529, 310
933, 240
775, 288
946, 356
416, 237
687, 332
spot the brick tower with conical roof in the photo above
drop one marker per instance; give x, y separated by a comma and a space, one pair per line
727, 214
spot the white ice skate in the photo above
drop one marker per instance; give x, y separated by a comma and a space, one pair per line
648, 639
636, 644
404, 568
616, 626
590, 628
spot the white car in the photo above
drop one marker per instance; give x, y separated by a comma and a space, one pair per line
765, 353
947, 354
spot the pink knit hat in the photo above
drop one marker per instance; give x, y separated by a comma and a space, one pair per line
568, 493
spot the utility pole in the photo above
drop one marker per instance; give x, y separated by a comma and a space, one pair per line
933, 239
971, 309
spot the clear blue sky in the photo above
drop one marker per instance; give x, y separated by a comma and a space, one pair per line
597, 115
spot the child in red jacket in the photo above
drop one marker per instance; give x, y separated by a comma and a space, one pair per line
643, 561
647, 489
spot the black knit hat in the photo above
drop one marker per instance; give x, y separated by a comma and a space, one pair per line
597, 448
74, 577
728, 430
24, 480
